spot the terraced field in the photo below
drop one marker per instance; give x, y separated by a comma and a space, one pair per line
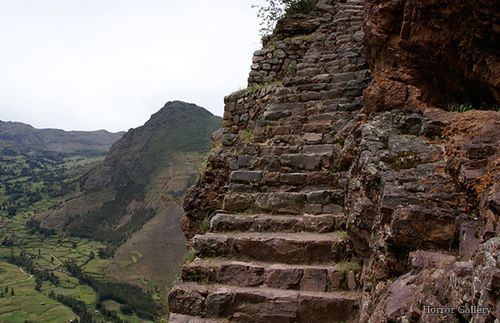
47, 253
27, 303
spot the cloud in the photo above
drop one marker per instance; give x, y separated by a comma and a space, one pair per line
92, 64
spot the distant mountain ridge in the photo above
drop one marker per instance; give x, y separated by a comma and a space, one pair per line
24, 137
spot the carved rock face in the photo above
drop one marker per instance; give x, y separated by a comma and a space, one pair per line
432, 52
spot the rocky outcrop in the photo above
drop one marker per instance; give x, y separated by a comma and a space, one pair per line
336, 196
421, 211
422, 189
432, 53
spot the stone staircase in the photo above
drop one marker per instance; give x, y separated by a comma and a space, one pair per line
277, 250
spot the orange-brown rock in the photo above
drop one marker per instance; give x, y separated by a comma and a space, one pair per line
432, 52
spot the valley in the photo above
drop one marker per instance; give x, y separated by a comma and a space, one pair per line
82, 233
48, 251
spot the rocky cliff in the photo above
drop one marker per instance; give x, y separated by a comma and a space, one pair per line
344, 186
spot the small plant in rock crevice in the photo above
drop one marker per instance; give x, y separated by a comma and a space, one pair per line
274, 10
205, 225
247, 136
189, 257
464, 107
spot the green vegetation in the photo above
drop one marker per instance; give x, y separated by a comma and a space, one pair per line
30, 181
132, 166
464, 107
247, 136
95, 224
32, 257
27, 303
64, 216
274, 10
189, 257
135, 298
205, 225
349, 265
44, 260
257, 87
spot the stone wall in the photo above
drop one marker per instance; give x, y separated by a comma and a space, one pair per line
317, 68
278, 60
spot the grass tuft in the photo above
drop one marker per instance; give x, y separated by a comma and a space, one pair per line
464, 107
247, 136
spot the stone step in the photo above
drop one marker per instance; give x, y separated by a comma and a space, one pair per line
181, 318
277, 111
322, 223
309, 133
287, 158
305, 161
315, 278
263, 305
355, 6
299, 182
313, 202
245, 176
276, 187
253, 151
291, 248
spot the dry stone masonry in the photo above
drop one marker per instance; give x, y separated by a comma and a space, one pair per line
336, 191
277, 250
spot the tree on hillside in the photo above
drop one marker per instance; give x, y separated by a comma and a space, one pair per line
274, 10
11, 211
38, 284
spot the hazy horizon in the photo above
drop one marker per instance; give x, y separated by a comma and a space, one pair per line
92, 65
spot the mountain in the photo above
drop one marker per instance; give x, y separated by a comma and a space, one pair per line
132, 199
27, 138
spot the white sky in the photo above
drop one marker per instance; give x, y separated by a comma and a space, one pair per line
110, 64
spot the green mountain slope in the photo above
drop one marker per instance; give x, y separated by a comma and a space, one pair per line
130, 200
39, 165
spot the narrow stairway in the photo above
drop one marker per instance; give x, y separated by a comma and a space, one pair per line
277, 251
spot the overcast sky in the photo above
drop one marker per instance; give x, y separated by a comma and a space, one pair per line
110, 64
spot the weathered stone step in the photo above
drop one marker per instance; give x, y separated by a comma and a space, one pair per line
181, 318
291, 248
263, 305
322, 223
283, 202
314, 202
285, 158
245, 176
315, 278
255, 150
355, 6
313, 146
277, 111
276, 187
306, 161
300, 182
311, 133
